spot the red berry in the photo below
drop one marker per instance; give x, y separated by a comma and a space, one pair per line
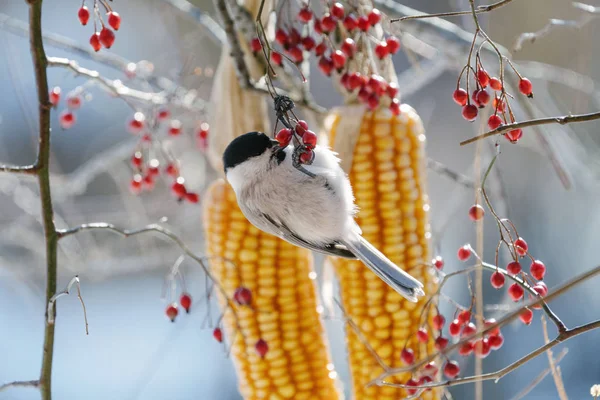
261, 347
348, 47
163, 114
281, 37
381, 50
308, 43
309, 139
326, 65
464, 317
483, 97
451, 369
526, 87
483, 77
541, 288
295, 54
137, 159
107, 37
526, 316
95, 41
495, 84
148, 182
498, 104
84, 15
513, 267
114, 20
153, 167
496, 341
514, 135
307, 156
521, 246
320, 49
339, 59
328, 23
377, 84
363, 23
186, 301
422, 335
476, 212
204, 129
218, 335
175, 128
364, 94
74, 102
317, 27
464, 253
172, 170
494, 122
468, 330
438, 262
55, 96
276, 58
354, 80
242, 296
255, 45
395, 107
373, 101
515, 292
137, 123
350, 22
374, 17
438, 322
284, 137
411, 382
301, 127
441, 343
178, 188
490, 322
425, 379
192, 197
408, 356
469, 112
465, 349
135, 186
430, 368
391, 90
337, 10
454, 327
172, 311
393, 44
67, 119
460, 96
305, 15
497, 280
482, 348
537, 270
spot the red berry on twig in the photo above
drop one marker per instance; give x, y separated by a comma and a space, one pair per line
374, 17
513, 267
309, 139
438, 262
67, 119
381, 50
305, 15
526, 316
451, 369
107, 37
464, 253
192, 197
255, 45
438, 322
178, 188
515, 291
469, 112
464, 316
55, 96
497, 280
218, 334
393, 44
172, 311
350, 22
476, 212
408, 356
114, 20
337, 10
460, 96
521, 246
537, 270
454, 328
526, 87
242, 296
483, 77
495, 84
494, 122
284, 136
95, 41
514, 135
186, 301
261, 347
422, 335
84, 15
348, 47
441, 343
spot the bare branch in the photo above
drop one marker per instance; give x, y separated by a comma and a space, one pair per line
592, 14
457, 177
209, 25
478, 10
34, 384
65, 292
556, 375
540, 377
567, 119
28, 169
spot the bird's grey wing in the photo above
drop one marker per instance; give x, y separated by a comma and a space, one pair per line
332, 249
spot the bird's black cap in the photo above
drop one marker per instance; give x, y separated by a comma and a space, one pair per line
246, 146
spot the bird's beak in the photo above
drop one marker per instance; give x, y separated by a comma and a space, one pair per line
274, 142
275, 145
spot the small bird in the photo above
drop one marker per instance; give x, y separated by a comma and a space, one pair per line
314, 210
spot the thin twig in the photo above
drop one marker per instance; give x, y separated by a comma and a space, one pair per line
556, 375
540, 377
65, 292
457, 177
34, 383
28, 169
478, 10
567, 119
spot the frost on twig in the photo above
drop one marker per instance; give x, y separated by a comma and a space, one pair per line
591, 14
66, 291
34, 384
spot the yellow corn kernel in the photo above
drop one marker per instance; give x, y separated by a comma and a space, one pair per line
393, 216
284, 306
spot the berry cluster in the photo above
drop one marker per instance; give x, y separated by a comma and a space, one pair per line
339, 37
172, 309
306, 138
74, 100
144, 160
106, 36
497, 96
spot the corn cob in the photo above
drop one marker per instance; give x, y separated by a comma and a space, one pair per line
385, 158
283, 310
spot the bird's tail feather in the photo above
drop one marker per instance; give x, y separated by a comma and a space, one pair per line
390, 273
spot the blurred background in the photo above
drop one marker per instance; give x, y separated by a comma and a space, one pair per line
133, 352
